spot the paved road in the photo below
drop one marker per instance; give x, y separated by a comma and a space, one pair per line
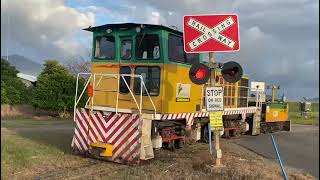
298, 148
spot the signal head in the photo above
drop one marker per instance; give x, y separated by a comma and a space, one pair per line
199, 73
231, 71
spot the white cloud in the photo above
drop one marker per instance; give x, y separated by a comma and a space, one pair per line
47, 26
279, 39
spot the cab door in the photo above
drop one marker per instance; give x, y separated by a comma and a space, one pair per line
125, 64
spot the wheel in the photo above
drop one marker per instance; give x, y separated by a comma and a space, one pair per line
286, 126
264, 128
171, 145
280, 126
271, 128
227, 134
178, 143
235, 133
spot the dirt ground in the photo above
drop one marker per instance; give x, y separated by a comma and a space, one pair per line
194, 162
40, 149
191, 162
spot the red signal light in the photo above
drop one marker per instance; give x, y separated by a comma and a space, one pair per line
200, 73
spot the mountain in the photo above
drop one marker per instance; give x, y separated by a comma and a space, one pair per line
24, 65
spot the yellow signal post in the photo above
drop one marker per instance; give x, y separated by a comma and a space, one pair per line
217, 124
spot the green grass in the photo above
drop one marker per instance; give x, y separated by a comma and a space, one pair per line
296, 118
27, 144
294, 107
312, 119
18, 153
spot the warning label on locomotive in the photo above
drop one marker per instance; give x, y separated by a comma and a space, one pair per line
216, 120
214, 98
183, 92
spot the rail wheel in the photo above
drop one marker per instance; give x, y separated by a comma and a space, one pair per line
235, 133
178, 143
171, 145
280, 126
264, 128
227, 134
271, 128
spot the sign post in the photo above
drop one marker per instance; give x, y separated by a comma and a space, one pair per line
212, 33
214, 104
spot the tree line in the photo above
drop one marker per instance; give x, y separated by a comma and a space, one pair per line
54, 90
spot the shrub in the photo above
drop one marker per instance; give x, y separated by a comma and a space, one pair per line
55, 89
13, 91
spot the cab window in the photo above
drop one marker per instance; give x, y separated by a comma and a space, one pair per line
126, 49
105, 47
193, 58
122, 86
147, 46
175, 47
176, 51
151, 78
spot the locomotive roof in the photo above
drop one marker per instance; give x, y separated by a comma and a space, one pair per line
131, 25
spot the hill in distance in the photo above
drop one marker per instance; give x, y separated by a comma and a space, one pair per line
24, 65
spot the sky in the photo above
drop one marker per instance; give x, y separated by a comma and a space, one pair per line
279, 39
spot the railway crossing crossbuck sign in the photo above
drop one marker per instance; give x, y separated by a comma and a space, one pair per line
211, 33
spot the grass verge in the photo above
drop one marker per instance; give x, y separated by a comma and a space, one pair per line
312, 119
296, 118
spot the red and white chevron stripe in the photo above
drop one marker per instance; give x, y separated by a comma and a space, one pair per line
190, 116
123, 131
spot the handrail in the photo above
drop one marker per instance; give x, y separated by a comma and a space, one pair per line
149, 97
93, 75
76, 94
131, 93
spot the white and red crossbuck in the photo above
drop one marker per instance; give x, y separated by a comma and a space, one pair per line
211, 33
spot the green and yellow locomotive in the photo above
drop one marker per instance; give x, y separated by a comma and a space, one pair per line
141, 96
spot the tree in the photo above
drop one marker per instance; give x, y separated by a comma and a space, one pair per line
4, 95
55, 89
7, 71
80, 63
13, 91
79, 66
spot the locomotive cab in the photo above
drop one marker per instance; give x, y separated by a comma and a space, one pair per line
152, 51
